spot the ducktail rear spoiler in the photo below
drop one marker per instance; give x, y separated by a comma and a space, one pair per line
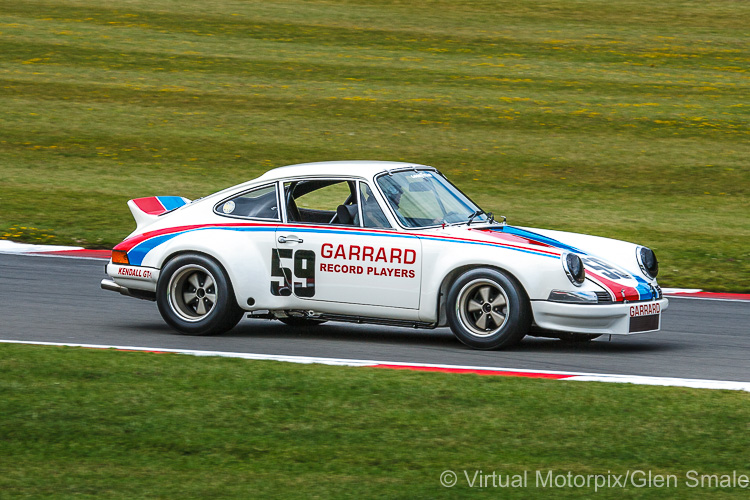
146, 210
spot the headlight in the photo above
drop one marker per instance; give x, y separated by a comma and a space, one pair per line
647, 261
574, 269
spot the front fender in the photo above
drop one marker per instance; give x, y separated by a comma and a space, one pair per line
536, 273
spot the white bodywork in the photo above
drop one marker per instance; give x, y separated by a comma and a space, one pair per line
406, 272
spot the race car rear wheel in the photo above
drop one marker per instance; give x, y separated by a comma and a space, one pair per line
195, 296
488, 309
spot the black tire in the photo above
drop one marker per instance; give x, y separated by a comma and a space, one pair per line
195, 296
301, 322
476, 315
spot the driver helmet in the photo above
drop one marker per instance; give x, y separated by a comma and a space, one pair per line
393, 192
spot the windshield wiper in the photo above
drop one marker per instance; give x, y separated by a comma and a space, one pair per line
472, 216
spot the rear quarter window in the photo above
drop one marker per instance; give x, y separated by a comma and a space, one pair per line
259, 203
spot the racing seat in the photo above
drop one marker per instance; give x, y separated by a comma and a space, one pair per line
346, 214
292, 212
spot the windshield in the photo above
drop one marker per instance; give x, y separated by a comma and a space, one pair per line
425, 198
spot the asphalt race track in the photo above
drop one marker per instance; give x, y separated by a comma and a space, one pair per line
59, 300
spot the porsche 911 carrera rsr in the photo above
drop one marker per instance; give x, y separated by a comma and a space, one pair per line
377, 242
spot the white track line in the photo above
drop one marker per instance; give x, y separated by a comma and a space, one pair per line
670, 297
670, 291
575, 376
54, 256
29, 249
7, 246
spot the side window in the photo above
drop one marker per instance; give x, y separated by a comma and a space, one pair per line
323, 198
260, 203
372, 214
322, 201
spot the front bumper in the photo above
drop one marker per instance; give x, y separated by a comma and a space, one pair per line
594, 319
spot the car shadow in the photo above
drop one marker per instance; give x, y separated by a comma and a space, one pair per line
618, 344
344, 332
438, 338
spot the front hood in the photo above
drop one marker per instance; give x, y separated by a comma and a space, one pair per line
609, 263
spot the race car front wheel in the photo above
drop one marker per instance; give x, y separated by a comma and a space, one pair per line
488, 309
195, 296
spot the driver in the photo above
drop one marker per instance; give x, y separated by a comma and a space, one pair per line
393, 193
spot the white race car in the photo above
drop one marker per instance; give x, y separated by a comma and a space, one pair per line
377, 242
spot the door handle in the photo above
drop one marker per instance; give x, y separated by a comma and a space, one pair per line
287, 239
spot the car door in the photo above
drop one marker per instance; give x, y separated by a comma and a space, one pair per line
328, 256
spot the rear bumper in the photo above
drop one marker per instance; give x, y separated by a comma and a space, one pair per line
132, 281
128, 292
595, 319
134, 277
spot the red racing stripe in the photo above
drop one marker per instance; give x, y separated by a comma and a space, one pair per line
616, 288
514, 238
150, 205
430, 236
503, 373
129, 243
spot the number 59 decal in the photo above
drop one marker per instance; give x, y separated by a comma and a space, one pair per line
604, 268
301, 280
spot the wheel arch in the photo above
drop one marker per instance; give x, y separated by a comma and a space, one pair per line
241, 255
455, 273
176, 253
221, 316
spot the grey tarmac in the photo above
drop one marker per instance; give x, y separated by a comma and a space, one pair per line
53, 299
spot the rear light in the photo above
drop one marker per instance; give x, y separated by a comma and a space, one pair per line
120, 257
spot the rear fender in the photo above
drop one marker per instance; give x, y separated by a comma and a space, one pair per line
241, 254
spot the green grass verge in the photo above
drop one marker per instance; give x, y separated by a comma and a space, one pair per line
103, 424
625, 119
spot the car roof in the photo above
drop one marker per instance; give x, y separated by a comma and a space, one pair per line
361, 168
366, 169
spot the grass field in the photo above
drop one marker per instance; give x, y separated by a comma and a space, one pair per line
98, 424
625, 119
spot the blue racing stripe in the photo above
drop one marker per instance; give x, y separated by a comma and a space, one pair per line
139, 252
643, 288
538, 237
490, 244
171, 202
